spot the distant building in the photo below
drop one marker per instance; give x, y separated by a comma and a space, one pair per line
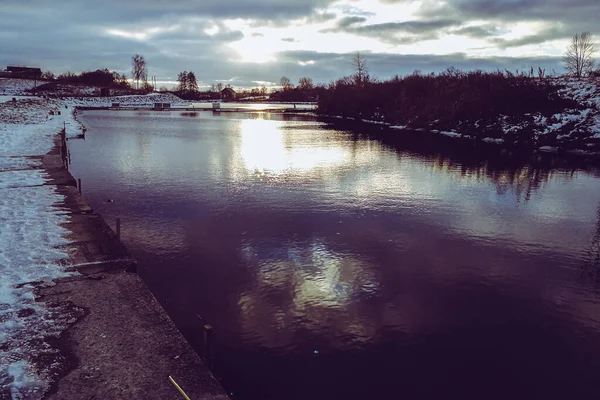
24, 72
104, 92
228, 93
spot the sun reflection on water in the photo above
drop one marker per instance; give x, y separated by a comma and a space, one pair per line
264, 149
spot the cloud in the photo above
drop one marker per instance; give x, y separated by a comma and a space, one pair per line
386, 65
405, 32
138, 10
542, 36
478, 31
347, 21
195, 35
572, 16
354, 11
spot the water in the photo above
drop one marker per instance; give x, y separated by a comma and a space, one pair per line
338, 265
256, 106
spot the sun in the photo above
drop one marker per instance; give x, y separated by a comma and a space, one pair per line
253, 50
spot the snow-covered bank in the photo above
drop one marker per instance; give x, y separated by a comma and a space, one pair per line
518, 112
129, 101
31, 244
18, 87
573, 128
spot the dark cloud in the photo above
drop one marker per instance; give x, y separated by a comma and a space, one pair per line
328, 66
63, 35
478, 32
395, 32
138, 10
347, 21
571, 16
540, 37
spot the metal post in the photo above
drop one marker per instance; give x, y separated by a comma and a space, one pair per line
207, 352
79, 185
119, 228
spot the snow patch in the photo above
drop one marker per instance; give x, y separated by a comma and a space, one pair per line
33, 241
449, 133
492, 140
548, 149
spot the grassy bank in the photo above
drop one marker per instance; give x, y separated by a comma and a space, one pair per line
500, 106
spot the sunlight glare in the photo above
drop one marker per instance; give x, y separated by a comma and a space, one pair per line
264, 150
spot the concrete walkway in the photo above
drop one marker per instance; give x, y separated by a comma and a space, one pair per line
123, 345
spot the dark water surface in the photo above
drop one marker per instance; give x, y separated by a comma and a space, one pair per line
333, 265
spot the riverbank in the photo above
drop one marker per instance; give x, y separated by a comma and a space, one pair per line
547, 114
76, 323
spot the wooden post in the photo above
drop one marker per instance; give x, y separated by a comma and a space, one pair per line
119, 228
207, 351
79, 185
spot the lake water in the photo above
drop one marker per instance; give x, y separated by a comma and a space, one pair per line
338, 264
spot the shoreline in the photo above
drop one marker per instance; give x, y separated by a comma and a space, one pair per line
77, 321
119, 321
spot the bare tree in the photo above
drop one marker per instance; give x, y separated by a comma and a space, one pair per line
182, 78
579, 57
361, 73
139, 70
305, 83
192, 82
48, 76
285, 83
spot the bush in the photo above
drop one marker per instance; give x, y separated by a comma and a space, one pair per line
443, 101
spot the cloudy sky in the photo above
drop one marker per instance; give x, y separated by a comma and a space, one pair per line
255, 42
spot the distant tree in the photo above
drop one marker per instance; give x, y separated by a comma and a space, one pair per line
147, 86
219, 86
99, 77
139, 70
285, 83
305, 83
66, 76
263, 90
192, 83
361, 73
182, 78
48, 76
122, 81
579, 57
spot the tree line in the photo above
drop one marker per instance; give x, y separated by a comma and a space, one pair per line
578, 61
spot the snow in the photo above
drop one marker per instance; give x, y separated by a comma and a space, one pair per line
128, 101
548, 149
449, 133
368, 121
492, 140
16, 163
11, 86
32, 244
398, 127
21, 178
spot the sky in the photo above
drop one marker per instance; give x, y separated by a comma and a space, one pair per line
249, 43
